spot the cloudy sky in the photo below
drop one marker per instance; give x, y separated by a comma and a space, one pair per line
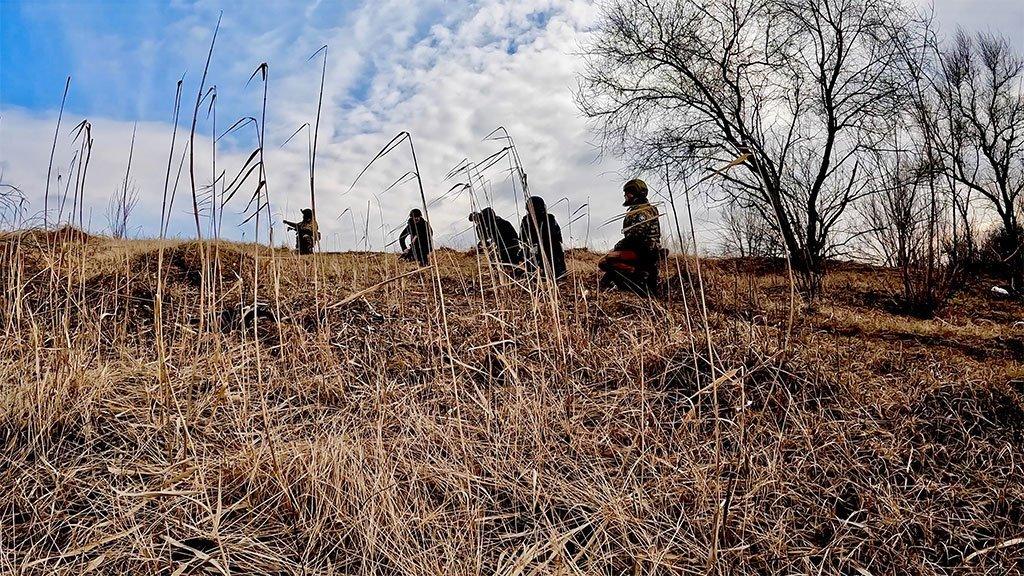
447, 71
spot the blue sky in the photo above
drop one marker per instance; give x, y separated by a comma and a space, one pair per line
448, 71
440, 69
126, 57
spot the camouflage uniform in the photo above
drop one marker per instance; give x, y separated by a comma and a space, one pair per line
641, 230
306, 232
633, 263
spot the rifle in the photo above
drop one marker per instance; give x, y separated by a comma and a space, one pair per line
295, 226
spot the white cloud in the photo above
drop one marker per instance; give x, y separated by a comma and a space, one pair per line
447, 72
448, 87
25, 149
1004, 17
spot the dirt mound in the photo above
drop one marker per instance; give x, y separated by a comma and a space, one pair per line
40, 238
183, 264
35, 247
452, 251
181, 267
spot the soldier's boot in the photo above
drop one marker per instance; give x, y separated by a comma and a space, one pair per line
607, 281
637, 282
653, 284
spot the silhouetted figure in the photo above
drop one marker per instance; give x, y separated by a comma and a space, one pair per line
478, 229
633, 262
497, 236
420, 242
307, 233
541, 238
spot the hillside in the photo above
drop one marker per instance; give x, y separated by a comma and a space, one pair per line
455, 422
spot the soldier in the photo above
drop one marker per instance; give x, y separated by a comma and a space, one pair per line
421, 243
498, 235
478, 228
541, 238
307, 234
633, 262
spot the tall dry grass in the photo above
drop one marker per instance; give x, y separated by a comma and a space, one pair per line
359, 437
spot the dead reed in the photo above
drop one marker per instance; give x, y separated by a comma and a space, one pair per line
360, 439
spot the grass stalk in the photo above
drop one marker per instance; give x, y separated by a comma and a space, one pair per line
53, 150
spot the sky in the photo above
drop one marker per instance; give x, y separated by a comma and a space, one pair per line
447, 71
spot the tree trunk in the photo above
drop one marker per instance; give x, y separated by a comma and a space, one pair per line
1015, 259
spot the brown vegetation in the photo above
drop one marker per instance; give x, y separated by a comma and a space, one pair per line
460, 423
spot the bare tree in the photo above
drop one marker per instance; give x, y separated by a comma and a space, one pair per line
981, 88
905, 221
119, 208
895, 217
746, 234
123, 201
802, 85
907, 217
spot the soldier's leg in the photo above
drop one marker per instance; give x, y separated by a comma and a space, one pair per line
606, 265
623, 261
652, 273
619, 267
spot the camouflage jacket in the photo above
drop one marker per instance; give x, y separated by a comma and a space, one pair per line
641, 228
308, 229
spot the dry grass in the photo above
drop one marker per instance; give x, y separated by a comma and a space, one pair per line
508, 432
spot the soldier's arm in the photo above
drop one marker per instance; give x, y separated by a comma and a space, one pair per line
402, 237
629, 222
556, 232
428, 241
638, 223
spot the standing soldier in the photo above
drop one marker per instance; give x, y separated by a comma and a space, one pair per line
633, 262
541, 238
421, 242
306, 232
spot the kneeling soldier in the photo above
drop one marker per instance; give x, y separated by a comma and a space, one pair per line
498, 236
633, 262
418, 230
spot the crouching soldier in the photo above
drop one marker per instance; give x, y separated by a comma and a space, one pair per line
419, 233
540, 237
307, 234
497, 236
633, 262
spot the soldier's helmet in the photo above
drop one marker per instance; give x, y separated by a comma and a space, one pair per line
637, 187
307, 213
535, 205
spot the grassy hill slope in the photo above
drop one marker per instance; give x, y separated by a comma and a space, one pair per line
451, 421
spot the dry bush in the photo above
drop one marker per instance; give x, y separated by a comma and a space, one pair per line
477, 425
